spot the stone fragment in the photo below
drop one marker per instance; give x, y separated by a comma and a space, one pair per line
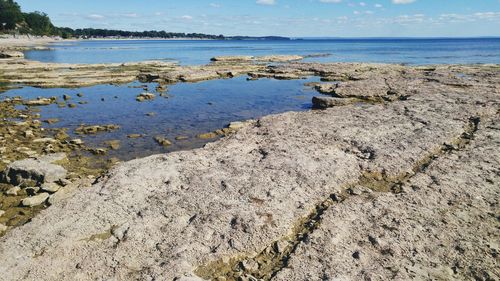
162, 141
91, 130
3, 228
11, 54
50, 187
113, 144
145, 96
76, 141
326, 102
35, 200
134, 136
206, 136
40, 170
13, 191
39, 102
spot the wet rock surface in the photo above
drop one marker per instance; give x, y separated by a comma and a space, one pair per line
368, 190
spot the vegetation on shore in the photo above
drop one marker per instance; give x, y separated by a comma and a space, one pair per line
13, 20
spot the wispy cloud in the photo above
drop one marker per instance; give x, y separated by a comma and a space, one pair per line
95, 17
403, 1
266, 2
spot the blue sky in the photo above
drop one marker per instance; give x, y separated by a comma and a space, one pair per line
296, 18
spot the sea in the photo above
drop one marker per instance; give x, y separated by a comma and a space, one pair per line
379, 50
190, 109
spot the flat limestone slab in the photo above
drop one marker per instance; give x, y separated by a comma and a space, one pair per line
165, 216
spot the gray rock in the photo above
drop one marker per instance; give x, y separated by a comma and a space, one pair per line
50, 187
326, 102
40, 170
35, 200
11, 54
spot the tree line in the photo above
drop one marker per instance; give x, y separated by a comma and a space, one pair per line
13, 20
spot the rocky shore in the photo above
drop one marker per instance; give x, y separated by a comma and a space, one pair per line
394, 176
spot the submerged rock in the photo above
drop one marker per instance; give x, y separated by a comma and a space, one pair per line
162, 141
91, 130
145, 96
113, 144
135, 136
39, 102
207, 136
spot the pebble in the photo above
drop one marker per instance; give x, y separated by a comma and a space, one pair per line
3, 228
2, 212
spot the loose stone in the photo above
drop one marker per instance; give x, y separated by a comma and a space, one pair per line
50, 187
13, 191
162, 141
35, 200
145, 96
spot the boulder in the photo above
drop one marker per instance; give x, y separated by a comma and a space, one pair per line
40, 170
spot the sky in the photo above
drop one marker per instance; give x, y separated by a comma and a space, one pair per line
293, 18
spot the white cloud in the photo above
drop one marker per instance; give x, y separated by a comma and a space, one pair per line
95, 17
330, 1
187, 17
266, 2
214, 5
378, 6
130, 15
403, 1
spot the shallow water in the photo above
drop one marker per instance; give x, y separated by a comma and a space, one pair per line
409, 51
188, 110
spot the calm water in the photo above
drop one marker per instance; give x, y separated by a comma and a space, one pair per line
188, 110
410, 51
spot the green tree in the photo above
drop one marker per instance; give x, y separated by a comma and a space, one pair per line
39, 23
10, 14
